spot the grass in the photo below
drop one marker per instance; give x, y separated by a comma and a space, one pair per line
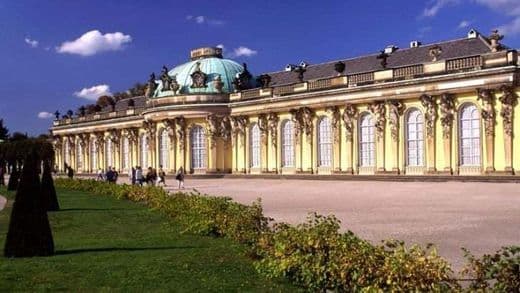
105, 244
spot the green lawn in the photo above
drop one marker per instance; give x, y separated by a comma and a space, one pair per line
107, 244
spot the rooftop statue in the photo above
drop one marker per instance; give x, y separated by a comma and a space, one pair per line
165, 79
151, 86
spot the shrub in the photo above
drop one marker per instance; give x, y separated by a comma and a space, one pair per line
499, 271
49, 198
29, 231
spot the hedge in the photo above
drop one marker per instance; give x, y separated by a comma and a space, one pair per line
314, 254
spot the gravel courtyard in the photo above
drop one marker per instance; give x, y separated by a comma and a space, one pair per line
480, 216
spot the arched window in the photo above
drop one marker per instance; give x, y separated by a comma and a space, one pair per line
109, 153
414, 138
126, 153
79, 156
367, 151
164, 151
287, 144
93, 155
198, 148
144, 151
469, 128
324, 143
255, 146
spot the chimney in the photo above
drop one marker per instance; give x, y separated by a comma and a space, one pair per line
415, 44
390, 49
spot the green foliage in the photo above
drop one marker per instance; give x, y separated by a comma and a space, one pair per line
203, 215
499, 272
317, 256
314, 254
4, 131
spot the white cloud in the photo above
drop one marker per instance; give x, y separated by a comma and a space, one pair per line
94, 92
436, 5
463, 24
45, 115
93, 42
32, 43
244, 51
511, 28
507, 7
201, 19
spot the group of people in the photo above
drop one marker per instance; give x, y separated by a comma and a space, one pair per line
110, 175
153, 177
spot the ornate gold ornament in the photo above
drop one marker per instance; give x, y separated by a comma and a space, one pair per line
272, 125
488, 110
395, 110
429, 104
447, 109
349, 119
509, 99
335, 115
378, 110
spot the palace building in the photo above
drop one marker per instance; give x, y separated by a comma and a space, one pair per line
448, 108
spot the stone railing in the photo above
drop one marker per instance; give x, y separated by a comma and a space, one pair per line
474, 62
249, 94
99, 116
284, 90
360, 78
408, 71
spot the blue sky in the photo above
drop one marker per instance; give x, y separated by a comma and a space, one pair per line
46, 65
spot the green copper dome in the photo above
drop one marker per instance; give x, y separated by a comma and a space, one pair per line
201, 74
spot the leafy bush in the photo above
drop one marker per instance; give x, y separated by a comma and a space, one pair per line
314, 254
499, 271
216, 216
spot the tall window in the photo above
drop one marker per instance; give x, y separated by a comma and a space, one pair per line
198, 148
79, 156
255, 146
414, 138
287, 144
126, 153
144, 151
164, 157
366, 141
93, 155
469, 136
324, 143
109, 155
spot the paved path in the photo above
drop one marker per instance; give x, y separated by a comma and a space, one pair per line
480, 216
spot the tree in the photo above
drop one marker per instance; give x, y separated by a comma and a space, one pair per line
18, 136
13, 178
105, 101
29, 231
137, 90
4, 132
50, 200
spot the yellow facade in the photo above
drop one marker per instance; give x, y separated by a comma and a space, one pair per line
243, 132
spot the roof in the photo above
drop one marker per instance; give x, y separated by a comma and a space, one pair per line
400, 58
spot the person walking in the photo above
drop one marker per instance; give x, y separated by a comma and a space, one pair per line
162, 176
131, 175
100, 176
180, 177
70, 172
139, 175
109, 176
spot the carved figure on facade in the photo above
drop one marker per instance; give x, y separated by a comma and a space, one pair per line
378, 109
180, 127
263, 126
225, 128
264, 80
349, 119
169, 125
198, 78
114, 136
488, 110
243, 79
447, 109
272, 125
495, 39
430, 106
213, 128
165, 79
395, 110
218, 84
435, 52
509, 99
174, 85
335, 117
132, 134
151, 86
303, 120
238, 126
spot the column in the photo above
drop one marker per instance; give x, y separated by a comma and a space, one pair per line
430, 116
509, 101
488, 115
350, 115
447, 110
395, 111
